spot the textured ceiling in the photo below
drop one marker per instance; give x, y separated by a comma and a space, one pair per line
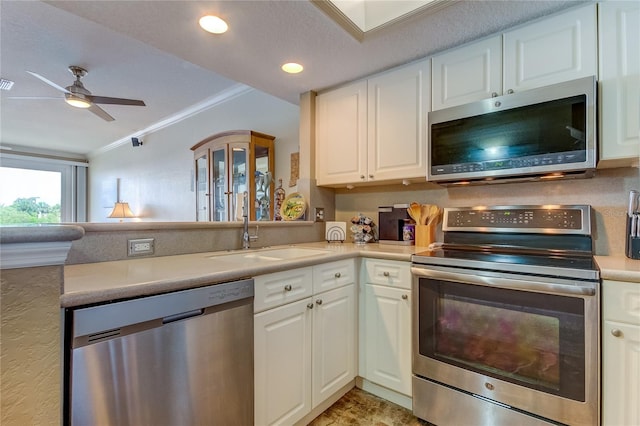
153, 50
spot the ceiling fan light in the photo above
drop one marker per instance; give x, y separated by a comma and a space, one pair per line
213, 24
77, 102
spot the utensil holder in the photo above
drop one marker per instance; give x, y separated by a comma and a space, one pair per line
425, 235
632, 249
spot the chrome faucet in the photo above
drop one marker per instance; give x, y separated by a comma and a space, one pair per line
246, 238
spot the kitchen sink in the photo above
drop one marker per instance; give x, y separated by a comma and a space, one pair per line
270, 255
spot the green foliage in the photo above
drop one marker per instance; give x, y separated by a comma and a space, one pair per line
29, 210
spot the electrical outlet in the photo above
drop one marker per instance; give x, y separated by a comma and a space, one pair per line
319, 214
141, 246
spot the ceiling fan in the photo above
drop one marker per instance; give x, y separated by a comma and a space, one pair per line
78, 96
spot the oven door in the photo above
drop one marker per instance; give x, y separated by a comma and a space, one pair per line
525, 341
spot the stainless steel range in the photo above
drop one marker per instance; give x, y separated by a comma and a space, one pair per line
506, 319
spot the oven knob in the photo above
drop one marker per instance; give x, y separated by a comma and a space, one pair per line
489, 386
616, 332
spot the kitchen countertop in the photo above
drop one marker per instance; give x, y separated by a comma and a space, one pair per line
619, 268
106, 281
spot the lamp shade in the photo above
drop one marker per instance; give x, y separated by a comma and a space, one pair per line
121, 210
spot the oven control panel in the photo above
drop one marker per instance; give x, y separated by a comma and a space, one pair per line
556, 219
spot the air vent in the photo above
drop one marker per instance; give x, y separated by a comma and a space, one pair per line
5, 84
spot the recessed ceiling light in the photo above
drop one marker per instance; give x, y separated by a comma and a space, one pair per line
292, 68
213, 24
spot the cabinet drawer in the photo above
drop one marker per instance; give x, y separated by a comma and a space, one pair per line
282, 287
621, 301
387, 272
333, 275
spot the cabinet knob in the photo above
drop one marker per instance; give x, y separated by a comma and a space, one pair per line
310, 305
337, 275
616, 332
510, 92
370, 176
497, 104
405, 297
385, 273
319, 302
361, 176
494, 94
287, 287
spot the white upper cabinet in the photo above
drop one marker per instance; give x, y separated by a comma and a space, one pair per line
374, 130
467, 74
619, 85
341, 135
559, 48
398, 102
556, 49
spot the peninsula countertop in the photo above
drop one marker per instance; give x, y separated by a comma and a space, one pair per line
107, 281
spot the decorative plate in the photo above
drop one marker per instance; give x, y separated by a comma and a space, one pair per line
293, 207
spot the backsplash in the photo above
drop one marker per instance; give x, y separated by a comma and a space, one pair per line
607, 193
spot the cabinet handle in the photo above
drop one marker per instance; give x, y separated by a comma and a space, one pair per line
287, 287
337, 275
616, 332
319, 302
510, 92
405, 297
310, 305
385, 273
494, 94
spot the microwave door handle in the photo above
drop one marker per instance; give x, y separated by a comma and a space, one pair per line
507, 283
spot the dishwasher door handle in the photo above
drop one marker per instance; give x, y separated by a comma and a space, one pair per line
182, 315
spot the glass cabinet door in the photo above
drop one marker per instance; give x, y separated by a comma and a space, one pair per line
202, 188
239, 171
219, 192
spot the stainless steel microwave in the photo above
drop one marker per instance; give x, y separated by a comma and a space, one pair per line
543, 133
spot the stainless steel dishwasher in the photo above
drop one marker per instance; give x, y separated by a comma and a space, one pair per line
182, 358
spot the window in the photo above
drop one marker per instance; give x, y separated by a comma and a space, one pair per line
42, 190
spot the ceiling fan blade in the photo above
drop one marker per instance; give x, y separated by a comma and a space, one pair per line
49, 82
100, 112
115, 101
34, 97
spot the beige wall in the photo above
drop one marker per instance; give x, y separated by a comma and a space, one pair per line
156, 179
30, 346
607, 193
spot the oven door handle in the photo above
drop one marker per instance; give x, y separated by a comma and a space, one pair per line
508, 283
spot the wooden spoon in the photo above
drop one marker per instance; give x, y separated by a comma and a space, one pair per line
424, 213
414, 212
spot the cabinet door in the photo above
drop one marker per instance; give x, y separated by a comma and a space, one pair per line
619, 83
470, 73
341, 135
621, 373
559, 48
334, 342
282, 360
387, 337
202, 185
398, 104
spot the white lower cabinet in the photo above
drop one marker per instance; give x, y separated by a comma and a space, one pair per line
620, 353
304, 350
282, 359
385, 318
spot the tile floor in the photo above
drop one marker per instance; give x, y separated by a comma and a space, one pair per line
358, 407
